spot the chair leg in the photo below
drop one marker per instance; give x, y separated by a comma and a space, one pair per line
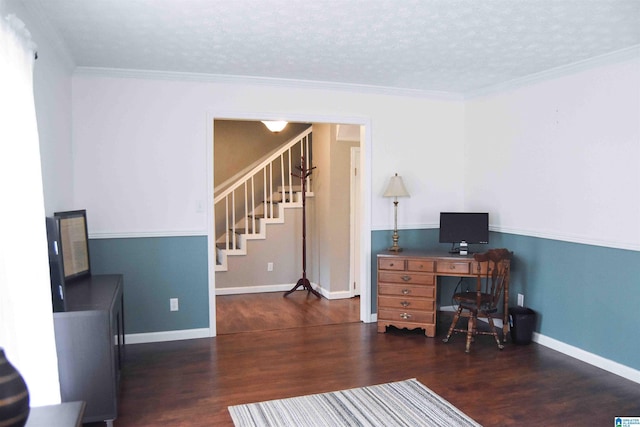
492, 326
471, 330
456, 317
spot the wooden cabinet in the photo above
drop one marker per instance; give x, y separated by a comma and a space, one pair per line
90, 345
406, 293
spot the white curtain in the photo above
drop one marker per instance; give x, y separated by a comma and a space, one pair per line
26, 321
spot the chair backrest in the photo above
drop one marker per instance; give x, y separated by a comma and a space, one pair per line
493, 274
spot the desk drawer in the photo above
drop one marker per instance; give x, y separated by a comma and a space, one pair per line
391, 263
399, 303
406, 277
393, 289
453, 267
414, 316
420, 265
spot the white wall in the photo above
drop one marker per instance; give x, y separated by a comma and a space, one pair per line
141, 143
140, 147
560, 158
321, 257
52, 88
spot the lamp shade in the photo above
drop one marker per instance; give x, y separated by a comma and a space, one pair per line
396, 188
275, 125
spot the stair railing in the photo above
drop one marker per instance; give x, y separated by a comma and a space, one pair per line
259, 186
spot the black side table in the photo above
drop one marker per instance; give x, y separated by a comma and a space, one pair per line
68, 414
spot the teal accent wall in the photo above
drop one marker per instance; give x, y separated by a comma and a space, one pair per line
156, 269
585, 296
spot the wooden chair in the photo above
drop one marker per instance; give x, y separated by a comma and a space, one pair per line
492, 276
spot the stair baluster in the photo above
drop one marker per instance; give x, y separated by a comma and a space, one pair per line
244, 216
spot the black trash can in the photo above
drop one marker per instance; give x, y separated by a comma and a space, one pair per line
522, 322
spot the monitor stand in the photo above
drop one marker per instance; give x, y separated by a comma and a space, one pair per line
462, 249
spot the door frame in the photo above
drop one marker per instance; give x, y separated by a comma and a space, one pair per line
354, 247
365, 199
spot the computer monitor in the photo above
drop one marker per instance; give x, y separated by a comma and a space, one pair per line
462, 228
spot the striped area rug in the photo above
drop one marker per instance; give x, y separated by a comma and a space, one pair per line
403, 403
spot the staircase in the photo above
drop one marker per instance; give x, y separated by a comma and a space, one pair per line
246, 206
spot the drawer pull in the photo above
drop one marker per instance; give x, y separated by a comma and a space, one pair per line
406, 291
406, 278
405, 303
453, 267
405, 316
391, 265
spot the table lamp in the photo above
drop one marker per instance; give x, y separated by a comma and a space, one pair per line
395, 189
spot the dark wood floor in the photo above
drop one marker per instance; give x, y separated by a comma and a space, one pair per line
191, 383
269, 311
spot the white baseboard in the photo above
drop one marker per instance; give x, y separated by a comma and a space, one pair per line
587, 357
255, 289
334, 295
577, 353
280, 288
185, 334
188, 334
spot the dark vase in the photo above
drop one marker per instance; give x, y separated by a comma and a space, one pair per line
14, 395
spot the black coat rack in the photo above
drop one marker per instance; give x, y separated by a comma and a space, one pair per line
304, 282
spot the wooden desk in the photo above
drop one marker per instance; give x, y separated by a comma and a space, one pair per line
408, 291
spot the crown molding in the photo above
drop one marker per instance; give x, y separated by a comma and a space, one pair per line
266, 81
623, 55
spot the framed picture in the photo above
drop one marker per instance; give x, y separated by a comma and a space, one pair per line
74, 243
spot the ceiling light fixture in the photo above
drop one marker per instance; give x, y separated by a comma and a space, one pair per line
275, 126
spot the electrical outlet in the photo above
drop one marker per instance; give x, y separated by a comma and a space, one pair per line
173, 304
521, 300
269, 266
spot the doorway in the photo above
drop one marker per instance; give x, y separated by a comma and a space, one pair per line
363, 227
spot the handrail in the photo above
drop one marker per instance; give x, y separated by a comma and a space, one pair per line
283, 148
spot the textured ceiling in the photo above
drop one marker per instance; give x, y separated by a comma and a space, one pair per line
436, 45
